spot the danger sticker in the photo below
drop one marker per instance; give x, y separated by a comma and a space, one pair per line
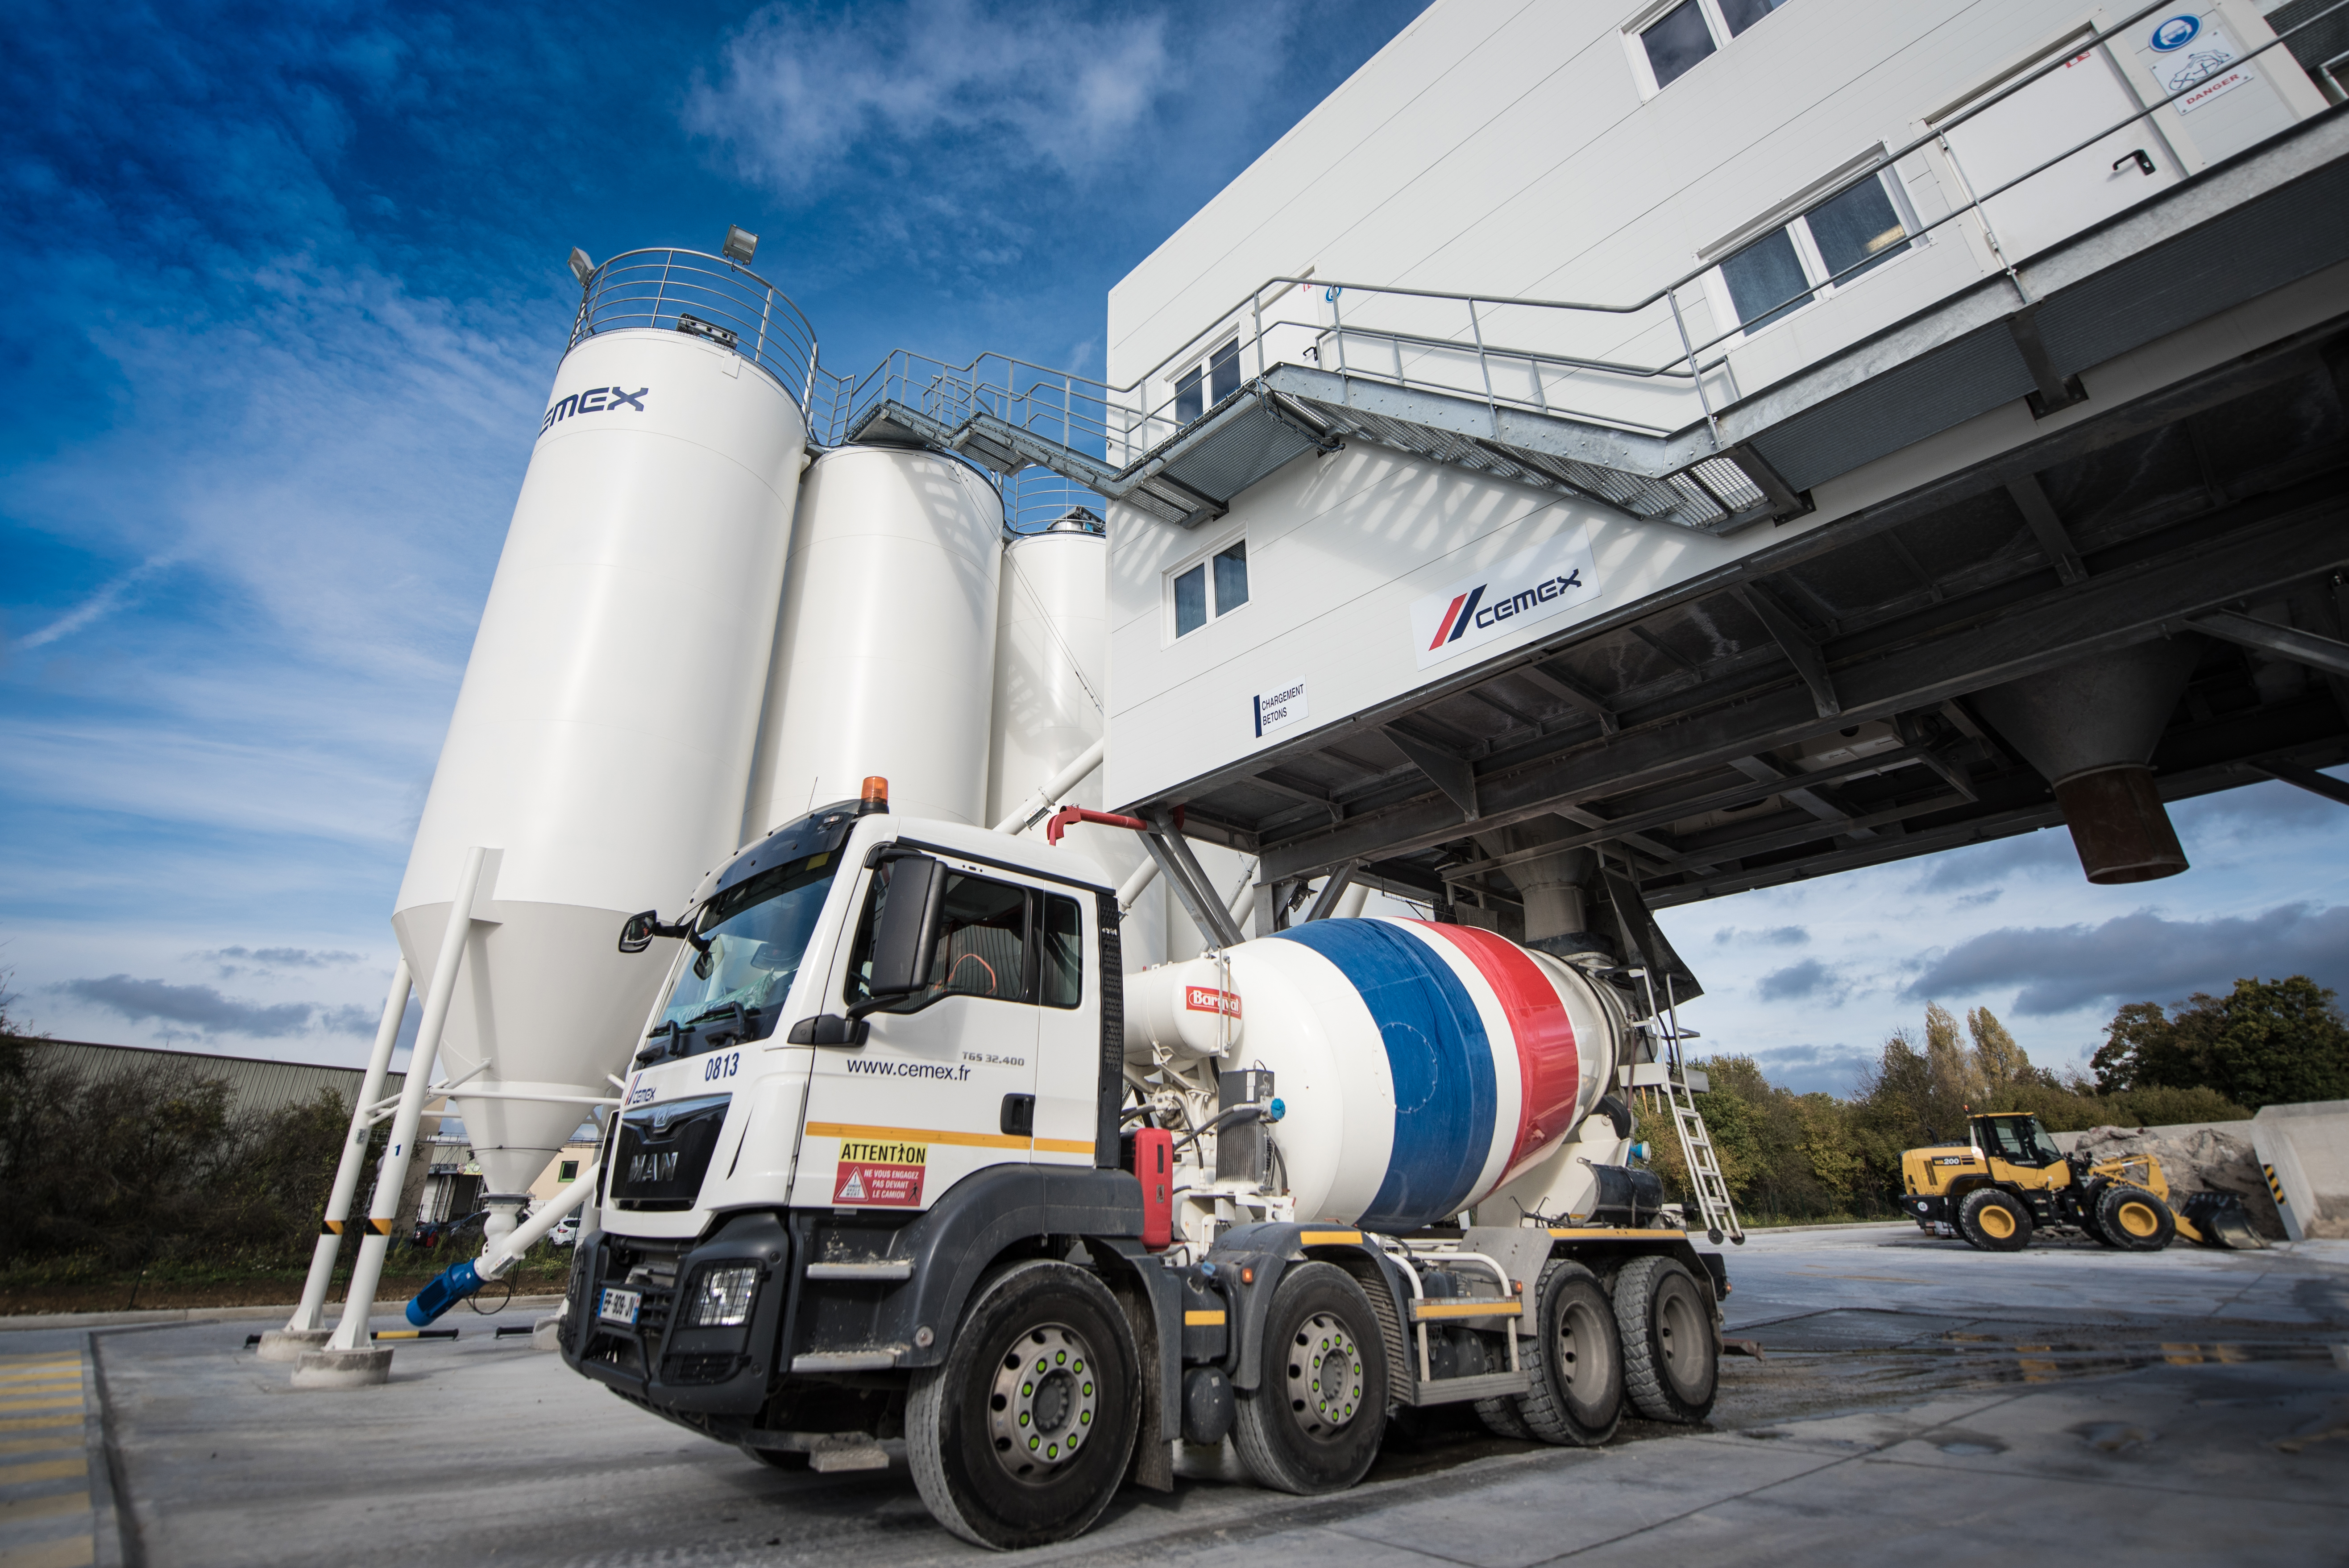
1207, 999
880, 1175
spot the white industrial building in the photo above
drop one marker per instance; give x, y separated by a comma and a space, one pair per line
2008, 317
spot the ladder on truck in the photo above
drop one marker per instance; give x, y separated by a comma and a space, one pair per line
1663, 1025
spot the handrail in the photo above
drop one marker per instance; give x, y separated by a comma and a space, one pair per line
1191, 347
705, 297
1103, 419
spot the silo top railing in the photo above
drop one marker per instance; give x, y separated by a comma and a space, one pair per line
709, 298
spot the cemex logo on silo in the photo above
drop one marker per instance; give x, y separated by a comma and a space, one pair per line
594, 400
1503, 597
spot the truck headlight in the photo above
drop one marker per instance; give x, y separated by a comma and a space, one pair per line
721, 1296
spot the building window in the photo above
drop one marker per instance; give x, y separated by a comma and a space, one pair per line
567, 1171
1675, 39
1829, 246
1212, 588
1201, 388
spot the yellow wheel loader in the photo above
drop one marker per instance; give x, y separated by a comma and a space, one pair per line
2010, 1182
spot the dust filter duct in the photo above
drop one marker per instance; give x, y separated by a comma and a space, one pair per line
2091, 728
1551, 885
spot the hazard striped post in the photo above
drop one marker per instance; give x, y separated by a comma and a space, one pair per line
383, 1213
310, 1317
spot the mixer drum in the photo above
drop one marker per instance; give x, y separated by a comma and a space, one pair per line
1421, 1065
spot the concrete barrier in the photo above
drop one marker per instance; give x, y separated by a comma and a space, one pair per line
2304, 1151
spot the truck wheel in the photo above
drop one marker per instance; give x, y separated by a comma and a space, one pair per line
1502, 1419
1993, 1221
1021, 1436
2136, 1220
1672, 1356
1576, 1358
1313, 1423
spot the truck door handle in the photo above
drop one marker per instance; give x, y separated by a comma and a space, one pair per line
1020, 1114
2143, 160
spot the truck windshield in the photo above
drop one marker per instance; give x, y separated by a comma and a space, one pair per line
756, 931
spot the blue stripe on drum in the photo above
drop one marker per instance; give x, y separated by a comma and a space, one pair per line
1441, 1059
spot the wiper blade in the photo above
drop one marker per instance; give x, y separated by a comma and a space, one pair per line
724, 1010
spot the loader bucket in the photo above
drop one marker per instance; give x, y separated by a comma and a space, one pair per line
2217, 1220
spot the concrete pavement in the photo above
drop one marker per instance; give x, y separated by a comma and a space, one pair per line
1921, 1402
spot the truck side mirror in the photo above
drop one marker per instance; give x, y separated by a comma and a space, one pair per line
907, 932
636, 935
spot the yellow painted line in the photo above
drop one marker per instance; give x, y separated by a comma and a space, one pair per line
1329, 1238
74, 1551
73, 1403
47, 1383
1063, 1146
38, 1423
1570, 1231
44, 1469
1433, 1311
1202, 1320
396, 1332
35, 1445
49, 1507
921, 1135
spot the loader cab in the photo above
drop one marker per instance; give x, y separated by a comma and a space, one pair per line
2015, 1138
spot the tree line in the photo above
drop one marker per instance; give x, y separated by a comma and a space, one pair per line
124, 1170
1787, 1156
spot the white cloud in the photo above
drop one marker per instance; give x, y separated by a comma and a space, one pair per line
2139, 957
1055, 84
98, 606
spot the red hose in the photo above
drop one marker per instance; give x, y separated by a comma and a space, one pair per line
1067, 814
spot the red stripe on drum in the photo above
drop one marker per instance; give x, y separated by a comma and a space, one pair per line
1549, 1067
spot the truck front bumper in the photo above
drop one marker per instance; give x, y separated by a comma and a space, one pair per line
638, 1319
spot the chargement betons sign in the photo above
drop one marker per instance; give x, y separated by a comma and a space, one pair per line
1504, 597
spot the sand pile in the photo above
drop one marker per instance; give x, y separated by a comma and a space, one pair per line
2203, 1160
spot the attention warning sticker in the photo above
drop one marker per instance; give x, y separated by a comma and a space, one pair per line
880, 1175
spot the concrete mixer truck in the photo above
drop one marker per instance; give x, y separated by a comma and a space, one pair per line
903, 1154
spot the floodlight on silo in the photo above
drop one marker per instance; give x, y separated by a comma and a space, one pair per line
741, 245
583, 266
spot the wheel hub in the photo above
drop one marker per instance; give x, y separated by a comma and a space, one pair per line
2137, 1220
1045, 1400
1569, 1328
1325, 1374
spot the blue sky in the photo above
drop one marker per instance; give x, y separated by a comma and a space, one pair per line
290, 289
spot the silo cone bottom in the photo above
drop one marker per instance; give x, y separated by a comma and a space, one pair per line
292, 1344
345, 1368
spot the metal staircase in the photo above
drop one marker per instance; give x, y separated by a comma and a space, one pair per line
1191, 475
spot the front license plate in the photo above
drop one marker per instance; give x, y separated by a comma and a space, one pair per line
620, 1306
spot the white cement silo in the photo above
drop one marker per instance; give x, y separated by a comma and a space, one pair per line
1051, 692
884, 657
603, 738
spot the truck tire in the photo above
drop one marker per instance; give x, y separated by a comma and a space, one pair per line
1671, 1356
1993, 1221
1576, 1356
2136, 1220
1314, 1420
1502, 1419
1021, 1436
